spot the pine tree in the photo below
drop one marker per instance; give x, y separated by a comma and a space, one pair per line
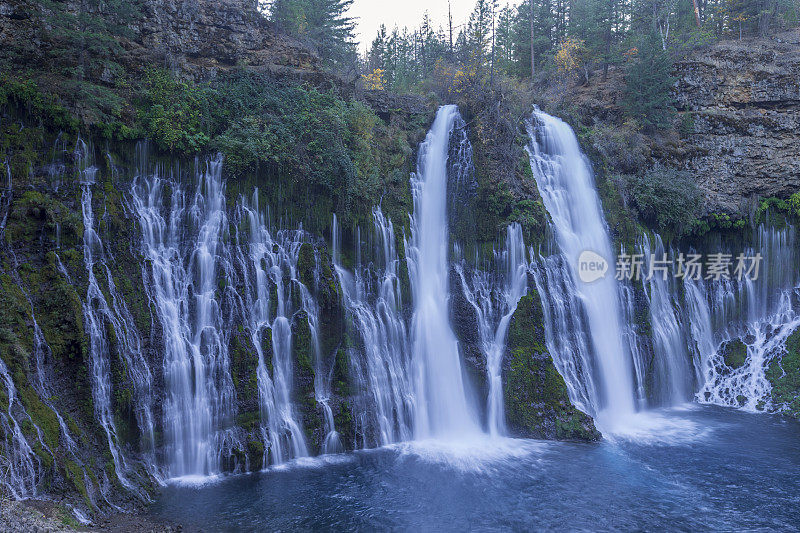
648, 85
322, 22
504, 40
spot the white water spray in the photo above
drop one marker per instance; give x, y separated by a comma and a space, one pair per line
495, 299
443, 407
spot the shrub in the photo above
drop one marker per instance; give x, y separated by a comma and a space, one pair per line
666, 198
173, 110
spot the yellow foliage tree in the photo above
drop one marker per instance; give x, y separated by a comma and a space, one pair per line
570, 54
374, 80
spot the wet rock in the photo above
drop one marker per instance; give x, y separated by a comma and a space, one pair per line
536, 398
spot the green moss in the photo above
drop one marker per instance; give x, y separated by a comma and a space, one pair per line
536, 396
621, 220
244, 363
44, 456
522, 331
306, 264
255, 454
302, 347
343, 420
36, 215
42, 416
784, 375
66, 517
249, 421
74, 474
341, 373
735, 353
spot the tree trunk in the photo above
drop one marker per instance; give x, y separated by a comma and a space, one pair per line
696, 13
450, 22
491, 76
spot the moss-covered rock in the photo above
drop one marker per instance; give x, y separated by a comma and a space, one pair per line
306, 265
536, 397
784, 374
303, 362
734, 353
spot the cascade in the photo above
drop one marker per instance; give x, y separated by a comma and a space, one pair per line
589, 326
272, 264
380, 361
188, 280
442, 403
96, 315
634, 342
20, 467
5, 198
41, 354
670, 344
760, 312
495, 298
322, 377
594, 343
566, 333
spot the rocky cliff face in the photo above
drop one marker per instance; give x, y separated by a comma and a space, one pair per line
742, 103
202, 36
199, 37
736, 131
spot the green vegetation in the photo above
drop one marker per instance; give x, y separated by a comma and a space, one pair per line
322, 23
784, 375
571, 40
667, 199
648, 85
74, 473
536, 397
778, 211
734, 353
255, 454
171, 112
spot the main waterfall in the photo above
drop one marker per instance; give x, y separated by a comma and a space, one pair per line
441, 392
566, 184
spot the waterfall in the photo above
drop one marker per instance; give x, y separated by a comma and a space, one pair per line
670, 344
759, 312
96, 315
443, 407
593, 309
41, 353
188, 282
331, 443
495, 299
5, 198
19, 465
566, 333
380, 360
273, 264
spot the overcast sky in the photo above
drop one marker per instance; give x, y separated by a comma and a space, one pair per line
370, 14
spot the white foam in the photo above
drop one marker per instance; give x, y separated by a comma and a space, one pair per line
194, 480
474, 454
654, 427
319, 461
80, 516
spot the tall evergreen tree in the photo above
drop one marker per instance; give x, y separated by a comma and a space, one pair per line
648, 85
324, 23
